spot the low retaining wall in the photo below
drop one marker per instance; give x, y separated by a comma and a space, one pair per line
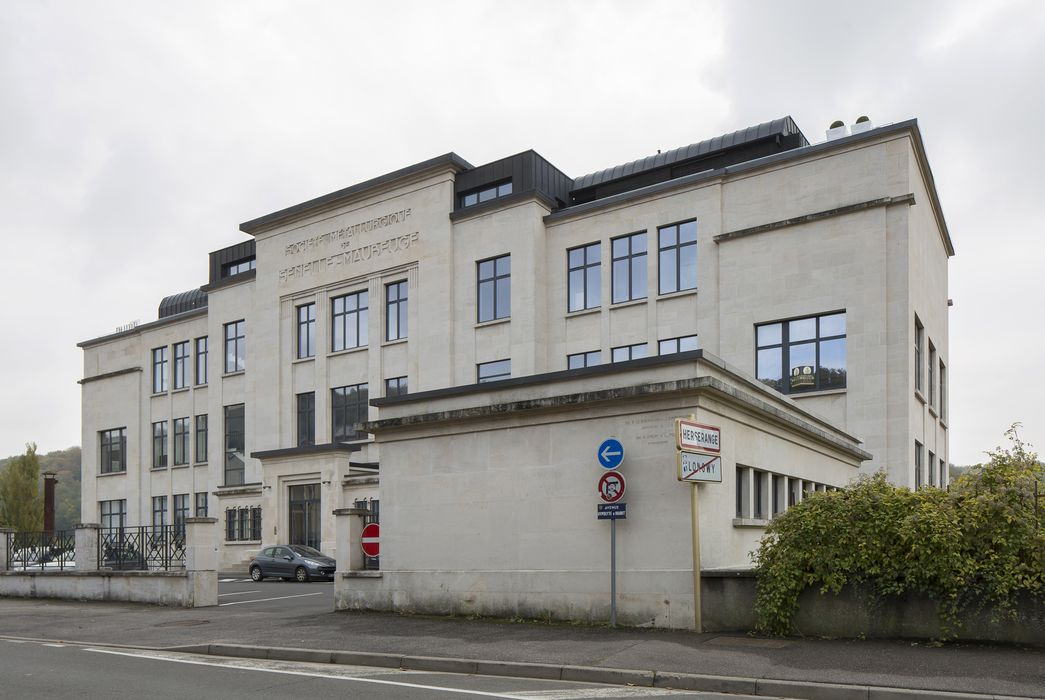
193, 589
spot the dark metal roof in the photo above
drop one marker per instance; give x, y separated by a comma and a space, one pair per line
182, 302
778, 127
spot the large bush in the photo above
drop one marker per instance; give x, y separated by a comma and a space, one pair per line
980, 543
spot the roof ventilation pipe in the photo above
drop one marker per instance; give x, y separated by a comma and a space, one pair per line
862, 124
837, 130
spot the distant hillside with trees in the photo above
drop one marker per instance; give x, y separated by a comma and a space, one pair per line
66, 464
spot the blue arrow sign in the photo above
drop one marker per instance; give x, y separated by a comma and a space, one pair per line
610, 453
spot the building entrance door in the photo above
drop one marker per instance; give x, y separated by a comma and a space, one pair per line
304, 515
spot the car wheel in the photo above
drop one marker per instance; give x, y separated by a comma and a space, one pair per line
255, 573
300, 574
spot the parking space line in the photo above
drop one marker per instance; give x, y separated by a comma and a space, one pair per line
221, 595
265, 600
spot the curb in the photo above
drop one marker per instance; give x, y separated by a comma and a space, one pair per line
800, 690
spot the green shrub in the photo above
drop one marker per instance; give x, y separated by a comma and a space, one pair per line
980, 543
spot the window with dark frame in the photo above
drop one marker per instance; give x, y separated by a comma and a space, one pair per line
231, 522
395, 310
349, 319
932, 468
159, 444
181, 512
306, 331
943, 394
493, 371
674, 345
930, 385
307, 419
181, 365
201, 504
113, 514
201, 360
159, 511
244, 523
623, 353
584, 275
495, 288
918, 476
802, 354
159, 370
181, 441
629, 267
113, 451
485, 194
235, 445
201, 438
678, 257
919, 339
396, 386
348, 407
235, 346
238, 267
584, 359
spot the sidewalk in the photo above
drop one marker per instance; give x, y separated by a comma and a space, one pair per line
991, 670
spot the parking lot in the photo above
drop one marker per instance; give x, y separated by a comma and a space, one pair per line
236, 590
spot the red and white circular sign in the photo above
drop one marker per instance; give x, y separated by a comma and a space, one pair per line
369, 539
611, 487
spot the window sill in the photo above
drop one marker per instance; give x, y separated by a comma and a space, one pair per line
493, 322
158, 469
302, 360
101, 474
157, 394
180, 390
248, 543
346, 351
750, 522
822, 392
583, 312
179, 466
397, 341
201, 385
932, 411
680, 293
918, 395
237, 373
200, 464
630, 302
943, 423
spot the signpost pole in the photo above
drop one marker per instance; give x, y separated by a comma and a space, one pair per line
695, 516
613, 572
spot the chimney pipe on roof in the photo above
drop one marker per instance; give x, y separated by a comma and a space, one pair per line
837, 130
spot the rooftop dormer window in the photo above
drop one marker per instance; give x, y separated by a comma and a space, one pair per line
485, 193
237, 268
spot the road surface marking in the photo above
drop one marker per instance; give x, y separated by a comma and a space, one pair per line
265, 600
221, 595
59, 646
311, 674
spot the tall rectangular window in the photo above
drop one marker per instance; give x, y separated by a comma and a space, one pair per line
943, 394
113, 514
202, 434
678, 257
159, 444
804, 354
919, 339
629, 267
495, 288
624, 353
683, 344
306, 331
584, 272
395, 310
235, 445
181, 441
159, 511
918, 456
159, 370
348, 407
932, 468
307, 419
181, 365
396, 386
493, 371
235, 346
201, 360
349, 321
584, 359
114, 451
201, 504
181, 512
930, 385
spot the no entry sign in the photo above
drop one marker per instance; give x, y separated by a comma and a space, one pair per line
369, 538
611, 487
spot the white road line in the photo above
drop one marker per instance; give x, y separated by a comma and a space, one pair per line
17, 641
221, 595
59, 646
265, 600
311, 674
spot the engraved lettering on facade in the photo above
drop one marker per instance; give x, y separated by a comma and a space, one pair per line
355, 255
345, 235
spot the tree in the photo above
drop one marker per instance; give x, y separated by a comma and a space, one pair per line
21, 504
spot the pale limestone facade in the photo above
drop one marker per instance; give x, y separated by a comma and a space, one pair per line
852, 226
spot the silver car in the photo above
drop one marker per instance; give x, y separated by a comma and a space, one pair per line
291, 561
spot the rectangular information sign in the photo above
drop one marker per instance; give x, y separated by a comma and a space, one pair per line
697, 437
693, 466
612, 511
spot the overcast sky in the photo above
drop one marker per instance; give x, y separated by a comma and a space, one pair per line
135, 137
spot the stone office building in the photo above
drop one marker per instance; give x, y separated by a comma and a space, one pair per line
453, 341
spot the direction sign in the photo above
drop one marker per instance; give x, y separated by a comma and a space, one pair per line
611, 487
612, 511
610, 453
697, 437
693, 466
369, 539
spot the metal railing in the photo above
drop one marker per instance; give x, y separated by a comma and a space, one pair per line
142, 548
47, 551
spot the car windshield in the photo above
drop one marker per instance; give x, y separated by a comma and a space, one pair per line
306, 551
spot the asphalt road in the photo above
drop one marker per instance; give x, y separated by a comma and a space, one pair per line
73, 672
274, 595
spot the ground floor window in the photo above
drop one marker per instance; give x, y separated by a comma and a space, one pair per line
242, 524
113, 514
